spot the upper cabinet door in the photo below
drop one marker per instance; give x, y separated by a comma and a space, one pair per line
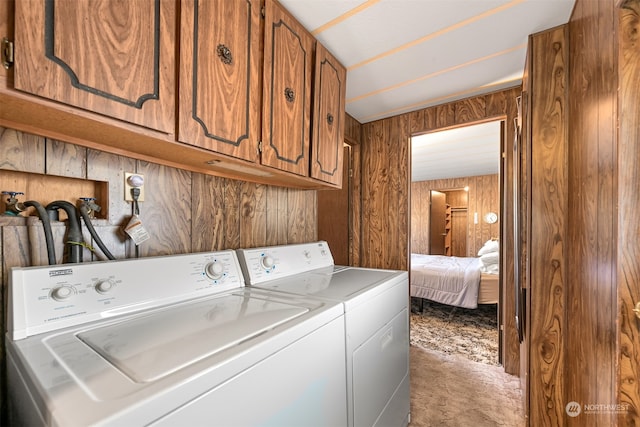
288, 67
111, 57
220, 86
328, 118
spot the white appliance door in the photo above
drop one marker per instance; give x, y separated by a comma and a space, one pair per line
380, 366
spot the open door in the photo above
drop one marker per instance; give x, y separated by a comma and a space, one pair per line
437, 223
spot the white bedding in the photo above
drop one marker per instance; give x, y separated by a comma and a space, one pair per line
446, 279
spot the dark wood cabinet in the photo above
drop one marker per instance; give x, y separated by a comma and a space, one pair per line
288, 66
214, 86
220, 76
328, 117
111, 57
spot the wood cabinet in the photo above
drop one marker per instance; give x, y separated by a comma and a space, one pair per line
328, 117
286, 115
245, 86
84, 54
220, 76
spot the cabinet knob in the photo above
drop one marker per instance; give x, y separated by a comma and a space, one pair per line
637, 310
224, 53
330, 118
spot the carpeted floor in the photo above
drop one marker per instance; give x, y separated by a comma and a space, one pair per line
456, 379
451, 391
471, 333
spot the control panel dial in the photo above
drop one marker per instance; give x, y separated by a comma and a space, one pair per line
214, 270
62, 293
104, 286
267, 262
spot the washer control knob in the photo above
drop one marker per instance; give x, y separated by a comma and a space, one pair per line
62, 293
267, 262
104, 286
214, 270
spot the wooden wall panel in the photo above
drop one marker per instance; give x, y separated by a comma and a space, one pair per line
385, 194
549, 212
628, 243
352, 130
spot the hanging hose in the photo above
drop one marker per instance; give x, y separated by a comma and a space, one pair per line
74, 236
46, 225
84, 212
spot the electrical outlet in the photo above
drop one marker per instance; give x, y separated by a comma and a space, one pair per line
132, 180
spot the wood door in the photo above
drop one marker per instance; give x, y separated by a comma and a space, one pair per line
111, 57
437, 216
220, 85
334, 215
328, 117
288, 64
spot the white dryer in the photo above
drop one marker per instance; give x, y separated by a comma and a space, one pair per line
376, 304
169, 341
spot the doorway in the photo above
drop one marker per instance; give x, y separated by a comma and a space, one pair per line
464, 165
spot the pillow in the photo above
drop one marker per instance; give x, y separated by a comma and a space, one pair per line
489, 246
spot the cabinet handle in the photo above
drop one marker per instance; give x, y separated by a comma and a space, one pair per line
224, 54
637, 310
289, 94
330, 118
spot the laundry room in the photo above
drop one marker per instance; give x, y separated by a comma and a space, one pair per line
173, 151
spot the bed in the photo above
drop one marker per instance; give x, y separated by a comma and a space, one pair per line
456, 281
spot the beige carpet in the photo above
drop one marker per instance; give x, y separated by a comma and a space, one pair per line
450, 391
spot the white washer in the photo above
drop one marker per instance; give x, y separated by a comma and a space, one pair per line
376, 317
170, 341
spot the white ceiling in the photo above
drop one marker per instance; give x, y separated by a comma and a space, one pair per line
406, 55
454, 153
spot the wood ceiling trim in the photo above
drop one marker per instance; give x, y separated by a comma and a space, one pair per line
437, 73
435, 34
344, 17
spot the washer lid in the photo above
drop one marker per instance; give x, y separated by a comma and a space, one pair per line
152, 346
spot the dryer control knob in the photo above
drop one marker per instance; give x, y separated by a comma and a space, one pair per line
104, 286
215, 270
62, 293
267, 262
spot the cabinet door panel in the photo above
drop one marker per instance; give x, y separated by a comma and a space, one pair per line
111, 57
328, 118
220, 76
288, 62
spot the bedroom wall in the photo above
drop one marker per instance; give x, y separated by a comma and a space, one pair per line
483, 197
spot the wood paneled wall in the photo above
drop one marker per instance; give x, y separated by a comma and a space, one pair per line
591, 295
628, 230
182, 211
386, 184
483, 197
585, 251
548, 217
